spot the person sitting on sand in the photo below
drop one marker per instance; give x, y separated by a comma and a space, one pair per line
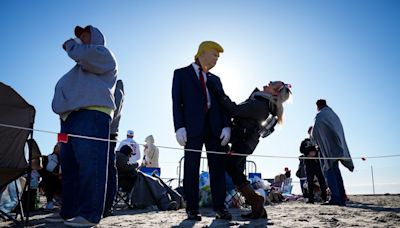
127, 172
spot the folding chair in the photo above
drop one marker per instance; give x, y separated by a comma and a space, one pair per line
151, 170
252, 175
15, 111
123, 196
286, 187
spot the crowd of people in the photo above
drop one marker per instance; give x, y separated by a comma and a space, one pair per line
89, 100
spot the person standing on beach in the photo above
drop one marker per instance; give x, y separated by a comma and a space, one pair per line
51, 177
288, 172
151, 153
84, 99
132, 143
112, 168
328, 133
198, 120
313, 168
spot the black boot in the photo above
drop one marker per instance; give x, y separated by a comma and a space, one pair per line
310, 198
324, 195
255, 201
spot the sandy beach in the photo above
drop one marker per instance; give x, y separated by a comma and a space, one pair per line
361, 211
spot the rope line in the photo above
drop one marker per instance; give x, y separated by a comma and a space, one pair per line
200, 151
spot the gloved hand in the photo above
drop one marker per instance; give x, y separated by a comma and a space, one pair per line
225, 136
181, 136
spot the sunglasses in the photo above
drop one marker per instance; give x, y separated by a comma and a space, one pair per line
284, 85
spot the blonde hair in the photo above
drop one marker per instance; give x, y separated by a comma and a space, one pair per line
208, 45
284, 95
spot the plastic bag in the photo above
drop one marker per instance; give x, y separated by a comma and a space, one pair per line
204, 190
257, 182
204, 180
52, 162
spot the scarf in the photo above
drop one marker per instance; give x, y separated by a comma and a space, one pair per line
273, 102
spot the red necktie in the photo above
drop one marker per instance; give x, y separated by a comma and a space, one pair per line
203, 88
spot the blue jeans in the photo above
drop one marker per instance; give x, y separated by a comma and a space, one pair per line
84, 165
112, 177
335, 183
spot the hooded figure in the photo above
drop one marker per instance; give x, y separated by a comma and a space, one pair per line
150, 153
84, 99
91, 82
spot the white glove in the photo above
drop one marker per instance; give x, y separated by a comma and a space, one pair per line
225, 136
181, 136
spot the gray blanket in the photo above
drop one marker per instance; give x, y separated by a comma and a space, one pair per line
329, 135
150, 191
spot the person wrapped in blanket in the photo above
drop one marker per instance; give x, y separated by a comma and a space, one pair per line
252, 118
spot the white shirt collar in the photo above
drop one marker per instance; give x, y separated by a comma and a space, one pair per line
197, 70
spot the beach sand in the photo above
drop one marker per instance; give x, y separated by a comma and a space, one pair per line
361, 211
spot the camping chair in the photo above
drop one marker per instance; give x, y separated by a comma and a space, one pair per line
123, 196
15, 111
286, 187
151, 170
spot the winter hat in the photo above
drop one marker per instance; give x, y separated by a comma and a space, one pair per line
130, 133
307, 146
126, 150
79, 30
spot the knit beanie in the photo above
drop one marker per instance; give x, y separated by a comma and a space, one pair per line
126, 150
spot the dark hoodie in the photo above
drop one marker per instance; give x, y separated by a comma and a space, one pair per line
127, 173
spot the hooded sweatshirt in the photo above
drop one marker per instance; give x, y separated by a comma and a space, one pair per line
119, 101
91, 82
151, 153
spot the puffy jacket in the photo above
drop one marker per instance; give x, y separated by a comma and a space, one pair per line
151, 153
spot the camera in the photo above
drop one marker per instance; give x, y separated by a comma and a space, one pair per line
267, 127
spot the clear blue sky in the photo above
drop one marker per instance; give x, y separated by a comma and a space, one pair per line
347, 52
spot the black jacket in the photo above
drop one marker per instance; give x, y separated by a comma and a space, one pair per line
127, 173
306, 147
247, 118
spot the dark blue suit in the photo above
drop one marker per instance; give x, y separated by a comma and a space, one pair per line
202, 128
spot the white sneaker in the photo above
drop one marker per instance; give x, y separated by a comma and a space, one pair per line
79, 221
